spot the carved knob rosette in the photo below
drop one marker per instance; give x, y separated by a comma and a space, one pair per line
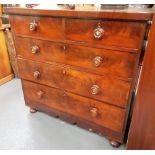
94, 112
36, 75
33, 26
98, 32
40, 94
95, 89
97, 61
34, 49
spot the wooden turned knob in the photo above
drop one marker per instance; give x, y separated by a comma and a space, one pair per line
34, 49
94, 112
40, 94
95, 89
97, 61
33, 26
36, 74
98, 32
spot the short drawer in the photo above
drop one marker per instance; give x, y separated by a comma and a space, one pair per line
39, 27
90, 85
97, 60
100, 113
104, 32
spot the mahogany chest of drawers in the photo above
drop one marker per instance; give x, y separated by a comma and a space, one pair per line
80, 66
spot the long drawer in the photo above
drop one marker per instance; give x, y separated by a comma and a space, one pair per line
98, 112
100, 61
83, 83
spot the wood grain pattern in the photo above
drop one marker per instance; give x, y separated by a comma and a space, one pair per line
88, 125
5, 68
108, 116
113, 63
65, 59
46, 27
6, 78
1, 14
120, 34
142, 129
11, 49
125, 14
81, 30
110, 90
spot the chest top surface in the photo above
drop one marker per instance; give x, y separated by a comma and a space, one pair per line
96, 12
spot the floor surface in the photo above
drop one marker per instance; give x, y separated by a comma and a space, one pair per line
20, 129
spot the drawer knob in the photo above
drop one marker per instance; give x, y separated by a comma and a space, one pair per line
36, 74
95, 89
40, 94
33, 25
98, 32
34, 49
97, 61
94, 112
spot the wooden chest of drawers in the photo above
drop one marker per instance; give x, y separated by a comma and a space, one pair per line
80, 66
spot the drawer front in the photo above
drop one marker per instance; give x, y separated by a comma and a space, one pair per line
98, 112
40, 27
90, 85
100, 61
108, 33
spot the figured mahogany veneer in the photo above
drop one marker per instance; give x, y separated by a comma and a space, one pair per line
113, 35
76, 81
53, 30
114, 32
119, 64
80, 65
91, 110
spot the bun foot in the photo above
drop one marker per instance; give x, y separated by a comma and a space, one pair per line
114, 143
33, 110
